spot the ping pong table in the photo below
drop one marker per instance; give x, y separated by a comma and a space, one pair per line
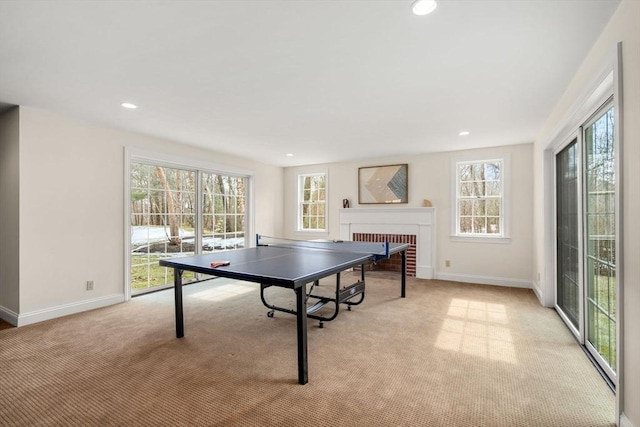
291, 264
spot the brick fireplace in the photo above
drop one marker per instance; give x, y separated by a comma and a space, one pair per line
394, 263
415, 226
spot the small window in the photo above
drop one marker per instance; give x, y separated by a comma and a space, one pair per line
312, 197
480, 199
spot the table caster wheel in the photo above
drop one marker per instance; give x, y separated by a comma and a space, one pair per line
270, 314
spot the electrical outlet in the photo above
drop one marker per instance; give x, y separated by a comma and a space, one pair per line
89, 285
447, 263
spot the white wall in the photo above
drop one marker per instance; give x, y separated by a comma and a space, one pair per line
72, 212
9, 213
430, 178
623, 26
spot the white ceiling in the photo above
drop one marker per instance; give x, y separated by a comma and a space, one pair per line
329, 81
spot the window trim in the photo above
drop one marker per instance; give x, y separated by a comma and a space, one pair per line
505, 236
299, 189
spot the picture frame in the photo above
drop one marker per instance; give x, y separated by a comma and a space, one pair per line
387, 184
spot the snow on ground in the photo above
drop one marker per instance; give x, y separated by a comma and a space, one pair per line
142, 235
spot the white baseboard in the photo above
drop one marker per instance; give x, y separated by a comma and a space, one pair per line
67, 309
485, 280
424, 272
537, 292
8, 316
624, 421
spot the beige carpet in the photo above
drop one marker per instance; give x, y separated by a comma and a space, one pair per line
449, 354
5, 325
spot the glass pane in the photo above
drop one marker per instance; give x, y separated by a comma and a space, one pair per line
479, 225
478, 207
600, 211
467, 189
139, 175
493, 188
492, 171
493, 207
207, 224
208, 242
477, 172
464, 172
224, 199
466, 207
465, 224
493, 225
567, 198
161, 222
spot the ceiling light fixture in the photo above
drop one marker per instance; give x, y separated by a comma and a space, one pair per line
464, 133
129, 105
423, 7
289, 154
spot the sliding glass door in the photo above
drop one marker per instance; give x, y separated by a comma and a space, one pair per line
600, 270
163, 220
586, 286
223, 212
180, 212
568, 281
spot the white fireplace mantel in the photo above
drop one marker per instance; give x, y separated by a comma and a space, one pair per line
417, 221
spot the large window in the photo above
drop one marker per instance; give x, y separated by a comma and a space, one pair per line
180, 211
479, 198
312, 202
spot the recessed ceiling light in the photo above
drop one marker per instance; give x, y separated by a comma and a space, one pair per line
129, 105
464, 133
289, 154
423, 7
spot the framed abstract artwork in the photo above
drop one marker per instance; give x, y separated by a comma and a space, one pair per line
383, 184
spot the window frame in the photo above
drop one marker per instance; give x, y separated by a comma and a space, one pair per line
504, 236
300, 200
158, 158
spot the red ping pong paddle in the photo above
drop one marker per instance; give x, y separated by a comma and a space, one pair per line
216, 264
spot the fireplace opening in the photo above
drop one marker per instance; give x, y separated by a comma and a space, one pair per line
394, 263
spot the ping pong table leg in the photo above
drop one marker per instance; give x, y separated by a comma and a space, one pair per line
403, 286
177, 289
301, 322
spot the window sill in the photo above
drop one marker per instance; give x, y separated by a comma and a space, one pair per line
480, 239
312, 233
